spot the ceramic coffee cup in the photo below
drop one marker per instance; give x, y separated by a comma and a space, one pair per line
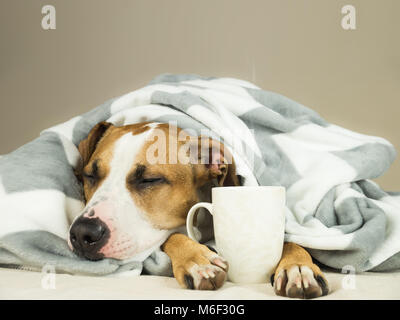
249, 227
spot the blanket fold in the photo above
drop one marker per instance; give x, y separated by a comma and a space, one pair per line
334, 209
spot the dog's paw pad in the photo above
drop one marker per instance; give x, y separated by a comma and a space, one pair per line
207, 277
300, 282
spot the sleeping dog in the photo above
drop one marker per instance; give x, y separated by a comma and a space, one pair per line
132, 204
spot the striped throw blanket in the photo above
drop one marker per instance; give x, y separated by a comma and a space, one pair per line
334, 209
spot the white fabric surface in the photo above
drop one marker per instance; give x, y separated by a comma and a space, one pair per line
18, 284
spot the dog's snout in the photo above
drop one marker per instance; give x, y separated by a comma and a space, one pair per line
88, 236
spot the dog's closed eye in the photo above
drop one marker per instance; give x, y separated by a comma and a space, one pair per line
140, 180
90, 178
92, 174
152, 180
146, 182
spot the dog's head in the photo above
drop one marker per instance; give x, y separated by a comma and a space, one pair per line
139, 182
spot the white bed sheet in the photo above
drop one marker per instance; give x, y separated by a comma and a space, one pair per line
19, 284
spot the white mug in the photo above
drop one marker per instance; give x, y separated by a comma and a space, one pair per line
249, 227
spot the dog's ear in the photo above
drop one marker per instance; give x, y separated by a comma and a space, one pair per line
87, 146
215, 162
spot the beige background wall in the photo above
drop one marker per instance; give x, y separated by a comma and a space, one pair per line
103, 49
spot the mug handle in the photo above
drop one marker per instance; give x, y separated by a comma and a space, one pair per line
190, 217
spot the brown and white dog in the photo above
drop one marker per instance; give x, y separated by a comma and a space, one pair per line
133, 205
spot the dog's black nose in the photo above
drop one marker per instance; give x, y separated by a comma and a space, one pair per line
88, 236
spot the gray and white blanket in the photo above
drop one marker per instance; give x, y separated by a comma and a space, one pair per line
333, 208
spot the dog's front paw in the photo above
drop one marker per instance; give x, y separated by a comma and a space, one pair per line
203, 270
299, 281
